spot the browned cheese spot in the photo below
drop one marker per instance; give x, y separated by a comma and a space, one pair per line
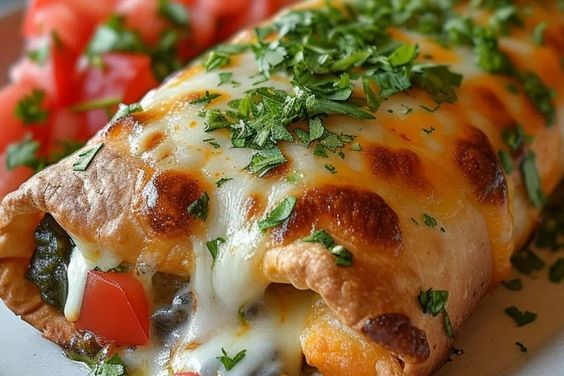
493, 107
362, 218
402, 165
167, 197
253, 206
120, 128
154, 140
478, 162
395, 332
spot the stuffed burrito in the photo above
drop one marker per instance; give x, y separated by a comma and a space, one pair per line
330, 193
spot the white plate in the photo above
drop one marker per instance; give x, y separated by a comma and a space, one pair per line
488, 339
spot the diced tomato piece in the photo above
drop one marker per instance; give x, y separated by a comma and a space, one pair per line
66, 125
60, 19
90, 13
115, 308
124, 76
222, 7
11, 180
11, 128
64, 61
142, 16
203, 28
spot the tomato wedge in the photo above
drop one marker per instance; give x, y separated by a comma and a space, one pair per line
115, 308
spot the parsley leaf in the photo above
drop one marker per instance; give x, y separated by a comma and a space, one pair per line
23, 153
438, 81
532, 180
540, 95
343, 257
199, 208
506, 161
30, 108
174, 12
205, 99
39, 55
86, 157
228, 362
222, 181
224, 77
213, 246
556, 271
265, 160
279, 214
101, 364
433, 302
126, 110
525, 261
538, 33
520, 318
429, 220
515, 284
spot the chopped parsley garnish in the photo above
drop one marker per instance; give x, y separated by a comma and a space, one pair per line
40, 55
224, 77
506, 161
279, 214
222, 181
228, 362
30, 108
85, 158
326, 52
515, 284
429, 220
429, 131
433, 302
205, 99
532, 180
23, 153
199, 208
174, 12
126, 110
520, 318
540, 95
101, 364
213, 246
331, 168
264, 161
538, 33
556, 271
212, 143
343, 257
525, 261
521, 346
113, 36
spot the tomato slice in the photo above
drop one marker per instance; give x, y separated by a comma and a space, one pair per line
126, 77
115, 308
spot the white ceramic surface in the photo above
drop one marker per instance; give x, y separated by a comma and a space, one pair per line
488, 340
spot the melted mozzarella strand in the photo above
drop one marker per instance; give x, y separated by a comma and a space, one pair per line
82, 260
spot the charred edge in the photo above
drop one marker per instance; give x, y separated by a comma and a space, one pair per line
167, 197
395, 332
479, 164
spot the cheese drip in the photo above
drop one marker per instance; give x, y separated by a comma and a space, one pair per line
81, 263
